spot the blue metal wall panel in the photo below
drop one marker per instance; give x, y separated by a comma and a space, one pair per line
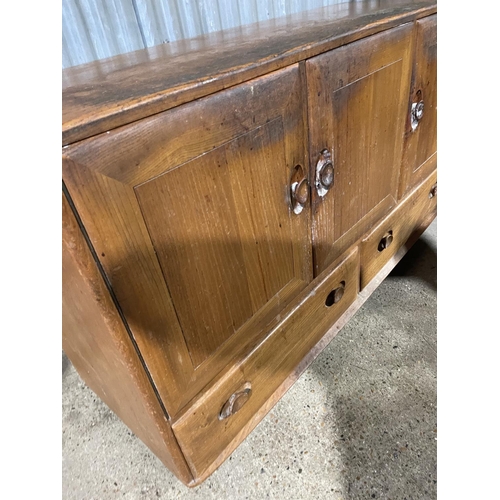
96, 29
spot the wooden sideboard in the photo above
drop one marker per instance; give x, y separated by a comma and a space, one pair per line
229, 202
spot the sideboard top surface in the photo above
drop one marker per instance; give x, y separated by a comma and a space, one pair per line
106, 94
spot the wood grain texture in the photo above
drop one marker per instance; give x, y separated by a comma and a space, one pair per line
190, 216
201, 434
187, 206
401, 223
100, 96
420, 146
203, 185
97, 343
281, 390
226, 250
357, 100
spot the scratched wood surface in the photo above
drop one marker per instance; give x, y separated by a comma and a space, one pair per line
189, 212
415, 208
183, 188
227, 247
102, 95
265, 368
97, 343
357, 101
308, 358
420, 146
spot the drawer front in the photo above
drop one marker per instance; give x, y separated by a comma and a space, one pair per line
212, 423
395, 230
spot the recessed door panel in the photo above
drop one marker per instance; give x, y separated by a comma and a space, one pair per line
356, 96
192, 217
222, 234
420, 147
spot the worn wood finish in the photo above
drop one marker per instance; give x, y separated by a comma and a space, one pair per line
189, 292
420, 147
199, 290
226, 252
98, 345
281, 390
201, 434
103, 95
357, 101
400, 223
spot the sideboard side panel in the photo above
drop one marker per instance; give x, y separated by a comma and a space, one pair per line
98, 345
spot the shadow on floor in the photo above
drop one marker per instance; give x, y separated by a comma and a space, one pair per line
65, 363
380, 375
420, 262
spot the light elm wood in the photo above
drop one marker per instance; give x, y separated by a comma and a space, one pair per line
203, 454
226, 199
420, 146
226, 251
357, 97
400, 224
281, 390
103, 95
201, 434
97, 343
190, 213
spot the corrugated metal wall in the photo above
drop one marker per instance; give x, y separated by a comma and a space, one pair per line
95, 29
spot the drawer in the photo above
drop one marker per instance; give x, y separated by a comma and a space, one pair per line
395, 230
215, 423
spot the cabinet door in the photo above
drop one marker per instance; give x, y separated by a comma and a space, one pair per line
357, 98
420, 148
191, 215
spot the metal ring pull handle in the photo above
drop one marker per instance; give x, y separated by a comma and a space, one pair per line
417, 112
324, 173
299, 190
300, 195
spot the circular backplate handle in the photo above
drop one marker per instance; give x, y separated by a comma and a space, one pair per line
325, 173
299, 190
417, 112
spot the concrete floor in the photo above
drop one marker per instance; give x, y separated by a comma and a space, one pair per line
359, 424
